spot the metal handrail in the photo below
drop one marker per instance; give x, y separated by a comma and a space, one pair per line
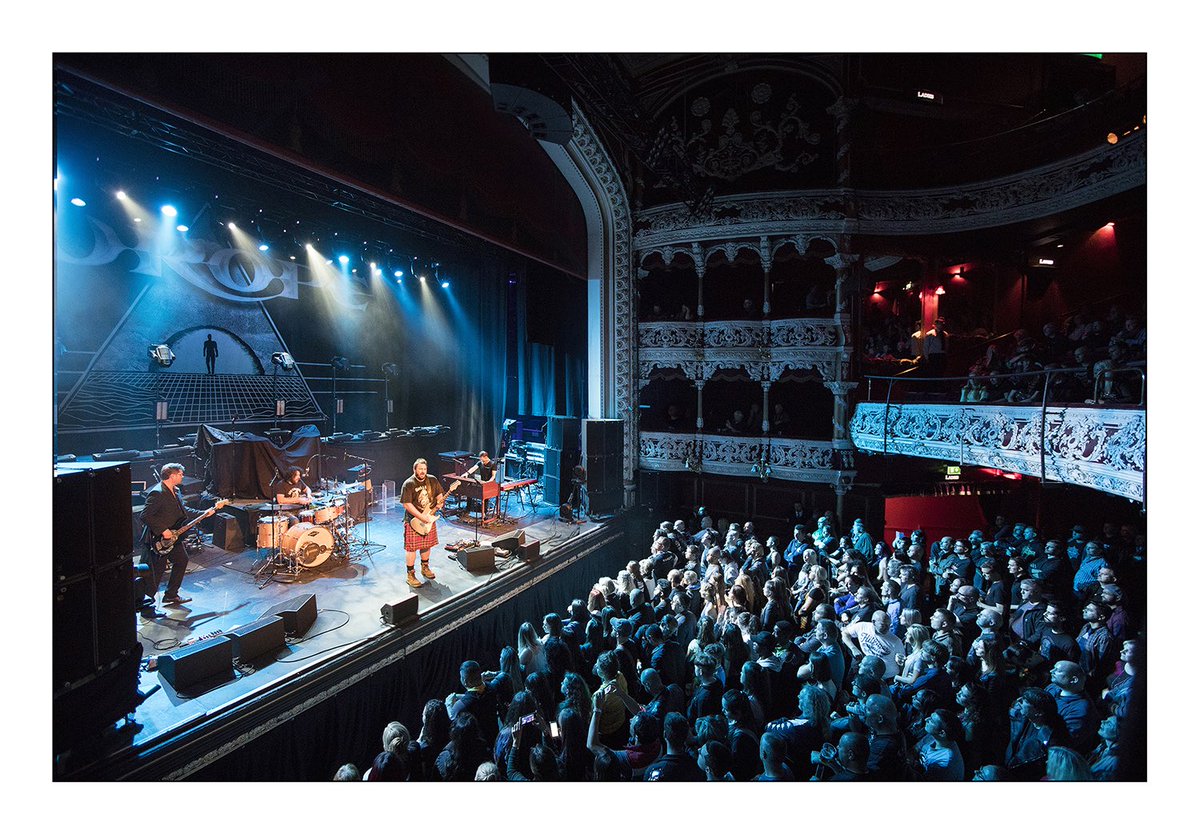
1045, 372
1112, 372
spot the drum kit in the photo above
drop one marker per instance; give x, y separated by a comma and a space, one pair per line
308, 539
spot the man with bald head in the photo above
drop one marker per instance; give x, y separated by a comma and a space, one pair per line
875, 638
1067, 681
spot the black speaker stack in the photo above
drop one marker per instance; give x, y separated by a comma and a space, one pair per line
562, 454
95, 647
603, 450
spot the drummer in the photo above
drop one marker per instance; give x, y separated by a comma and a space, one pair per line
292, 490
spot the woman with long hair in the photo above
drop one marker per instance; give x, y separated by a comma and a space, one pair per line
575, 759
1066, 765
816, 593
714, 599
706, 635
465, 750
530, 654
577, 696
915, 637
435, 733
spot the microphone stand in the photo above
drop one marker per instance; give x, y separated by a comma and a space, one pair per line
273, 560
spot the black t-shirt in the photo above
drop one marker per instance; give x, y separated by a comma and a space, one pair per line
289, 490
421, 494
485, 471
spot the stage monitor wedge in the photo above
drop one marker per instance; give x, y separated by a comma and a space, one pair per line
299, 613
199, 665
401, 612
478, 560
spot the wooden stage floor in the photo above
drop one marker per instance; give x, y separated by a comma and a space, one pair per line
226, 594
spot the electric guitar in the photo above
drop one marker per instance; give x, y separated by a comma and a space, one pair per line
164, 546
423, 528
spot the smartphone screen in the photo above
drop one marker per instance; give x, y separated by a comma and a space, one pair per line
554, 730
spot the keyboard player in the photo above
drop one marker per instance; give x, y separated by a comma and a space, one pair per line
484, 471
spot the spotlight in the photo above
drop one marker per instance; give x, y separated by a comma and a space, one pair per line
445, 285
1112, 139
284, 360
940, 291
162, 354
340, 363
263, 247
77, 201
122, 195
390, 369
399, 273
137, 220
231, 225
422, 278
181, 228
344, 259
170, 211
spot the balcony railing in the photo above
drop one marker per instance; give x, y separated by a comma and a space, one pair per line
1093, 445
791, 459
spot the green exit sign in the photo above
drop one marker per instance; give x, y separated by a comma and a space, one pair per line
953, 473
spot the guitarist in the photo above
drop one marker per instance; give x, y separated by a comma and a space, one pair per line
422, 496
164, 512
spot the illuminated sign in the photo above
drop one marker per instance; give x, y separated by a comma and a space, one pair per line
953, 472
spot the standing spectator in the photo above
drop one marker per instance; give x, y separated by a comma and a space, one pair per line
676, 764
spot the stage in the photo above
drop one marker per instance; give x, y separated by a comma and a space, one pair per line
176, 735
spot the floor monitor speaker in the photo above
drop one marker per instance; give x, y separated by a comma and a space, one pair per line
198, 665
298, 613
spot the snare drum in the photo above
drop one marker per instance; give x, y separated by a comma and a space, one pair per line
271, 530
326, 513
308, 544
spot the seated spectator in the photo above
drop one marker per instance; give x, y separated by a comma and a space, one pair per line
937, 756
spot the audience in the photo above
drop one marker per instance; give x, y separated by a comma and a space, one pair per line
903, 667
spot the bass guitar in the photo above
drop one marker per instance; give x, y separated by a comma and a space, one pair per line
423, 528
164, 545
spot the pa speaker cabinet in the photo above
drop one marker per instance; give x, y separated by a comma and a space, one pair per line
258, 638
531, 551
92, 525
479, 559
298, 614
198, 666
401, 612
563, 433
227, 533
603, 437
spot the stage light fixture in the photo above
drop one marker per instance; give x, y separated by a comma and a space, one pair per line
1112, 139
445, 285
340, 363
77, 201
137, 220
344, 259
390, 369
122, 195
284, 360
399, 273
162, 354
263, 247
940, 291
170, 211
232, 225
422, 278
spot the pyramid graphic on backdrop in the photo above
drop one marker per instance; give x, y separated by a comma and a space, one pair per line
121, 385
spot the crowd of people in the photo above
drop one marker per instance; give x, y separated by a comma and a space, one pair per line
1100, 357
1005, 655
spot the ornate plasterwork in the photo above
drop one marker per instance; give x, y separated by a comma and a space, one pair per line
791, 459
592, 152
1065, 184
764, 350
1104, 449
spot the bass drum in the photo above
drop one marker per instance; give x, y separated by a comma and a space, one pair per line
308, 544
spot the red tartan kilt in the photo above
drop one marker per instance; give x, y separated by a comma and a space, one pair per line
413, 541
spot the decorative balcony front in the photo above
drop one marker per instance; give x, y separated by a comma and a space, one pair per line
765, 349
1104, 449
790, 459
